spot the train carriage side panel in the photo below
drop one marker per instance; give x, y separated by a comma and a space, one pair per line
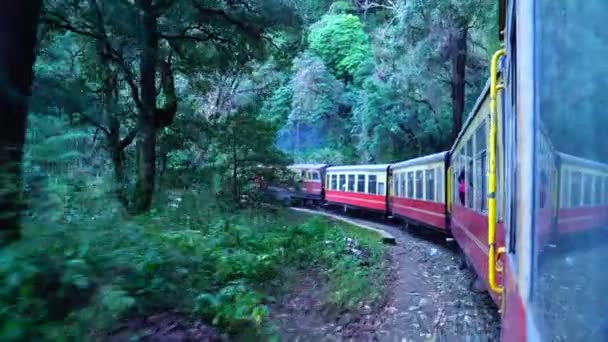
418, 190
359, 186
583, 202
312, 178
469, 170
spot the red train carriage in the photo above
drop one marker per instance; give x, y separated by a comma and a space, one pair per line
358, 186
418, 190
311, 181
583, 194
552, 83
469, 187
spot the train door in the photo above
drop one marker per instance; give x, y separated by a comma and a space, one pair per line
567, 298
518, 152
555, 289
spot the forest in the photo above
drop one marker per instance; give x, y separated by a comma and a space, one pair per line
149, 124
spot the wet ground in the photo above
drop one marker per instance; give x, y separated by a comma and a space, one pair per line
428, 298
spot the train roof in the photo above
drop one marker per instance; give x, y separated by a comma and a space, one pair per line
307, 166
582, 162
431, 158
369, 167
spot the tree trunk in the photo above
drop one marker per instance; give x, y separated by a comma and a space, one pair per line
109, 99
18, 23
146, 133
458, 60
235, 174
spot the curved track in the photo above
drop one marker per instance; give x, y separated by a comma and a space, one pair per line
429, 295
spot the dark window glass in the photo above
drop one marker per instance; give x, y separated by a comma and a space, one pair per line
481, 170
597, 199
315, 176
410, 184
334, 182
575, 190
402, 185
430, 184
419, 180
605, 191
371, 184
342, 183
395, 190
351, 183
360, 183
565, 189
587, 193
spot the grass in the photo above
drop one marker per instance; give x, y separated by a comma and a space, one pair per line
74, 279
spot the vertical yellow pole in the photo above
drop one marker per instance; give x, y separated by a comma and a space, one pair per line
492, 253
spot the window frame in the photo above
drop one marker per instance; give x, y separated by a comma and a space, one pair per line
419, 187
342, 182
350, 182
369, 184
429, 185
358, 183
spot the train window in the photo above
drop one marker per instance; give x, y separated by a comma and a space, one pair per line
419, 185
439, 178
597, 190
469, 174
380, 188
587, 190
480, 167
371, 184
315, 176
605, 191
396, 184
351, 183
575, 189
303, 174
410, 184
429, 184
455, 170
565, 189
327, 182
402, 185
342, 183
334, 182
360, 183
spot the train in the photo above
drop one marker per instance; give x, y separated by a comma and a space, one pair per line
527, 206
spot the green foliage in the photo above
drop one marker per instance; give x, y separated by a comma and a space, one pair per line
67, 279
340, 40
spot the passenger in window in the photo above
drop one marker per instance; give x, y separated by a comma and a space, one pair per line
461, 187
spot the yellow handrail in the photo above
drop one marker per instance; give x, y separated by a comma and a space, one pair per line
492, 253
448, 200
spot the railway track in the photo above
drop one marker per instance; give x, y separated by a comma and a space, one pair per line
429, 295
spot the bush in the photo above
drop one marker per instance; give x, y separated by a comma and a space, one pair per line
74, 280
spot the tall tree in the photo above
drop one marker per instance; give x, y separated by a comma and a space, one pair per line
18, 24
145, 39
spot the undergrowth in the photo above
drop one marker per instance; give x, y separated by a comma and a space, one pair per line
75, 278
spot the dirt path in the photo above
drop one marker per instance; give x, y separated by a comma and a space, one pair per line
429, 298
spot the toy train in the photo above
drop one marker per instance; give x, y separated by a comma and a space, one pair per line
530, 218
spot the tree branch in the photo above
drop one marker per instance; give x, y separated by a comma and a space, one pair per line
128, 139
213, 12
95, 123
